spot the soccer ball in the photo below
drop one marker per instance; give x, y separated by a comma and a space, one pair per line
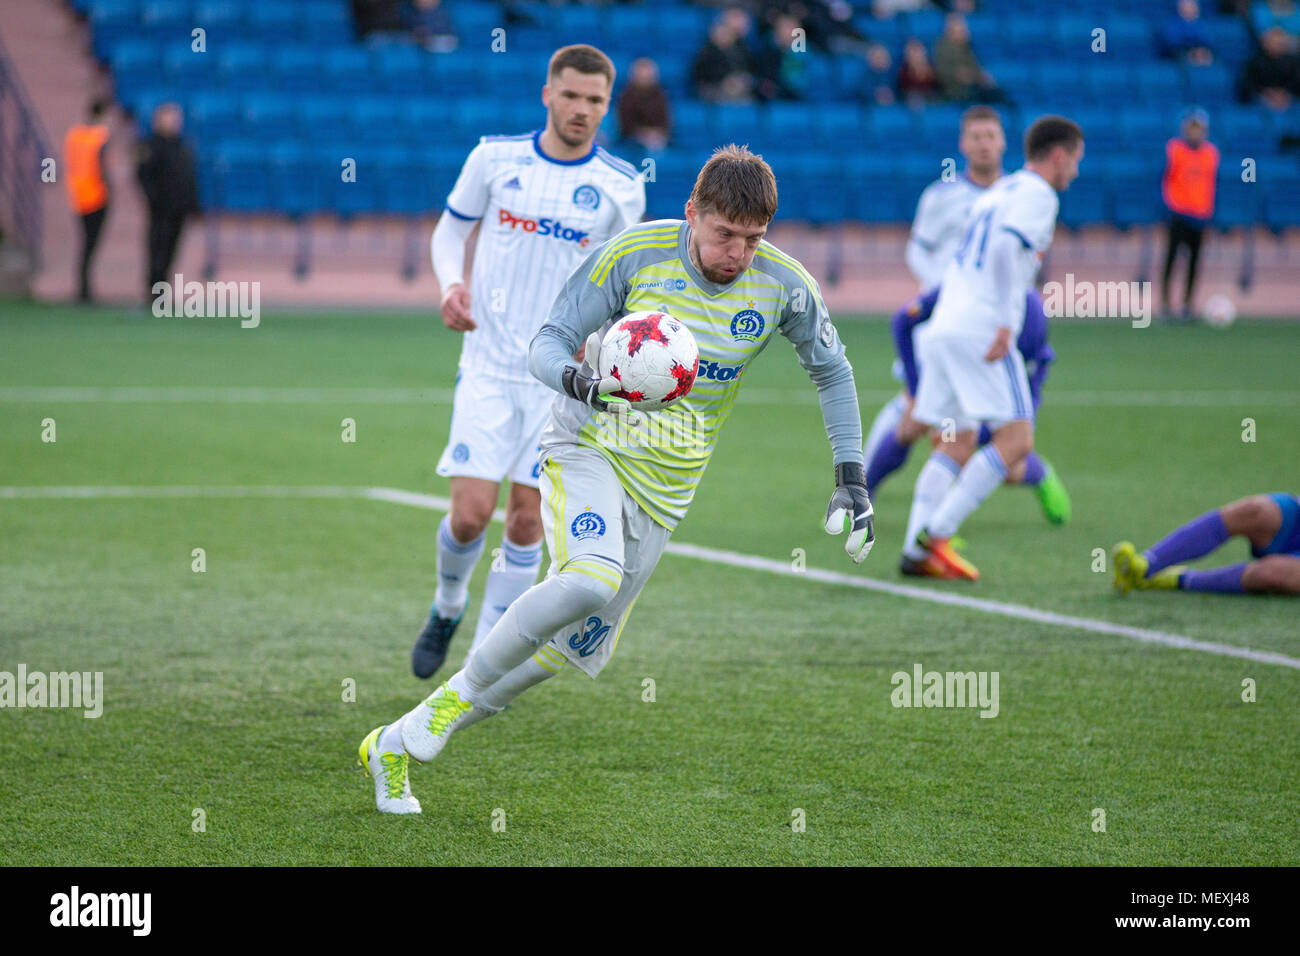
653, 355
1219, 311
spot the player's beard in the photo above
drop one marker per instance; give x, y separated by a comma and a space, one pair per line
713, 275
571, 140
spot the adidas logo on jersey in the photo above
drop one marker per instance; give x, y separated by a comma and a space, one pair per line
513, 184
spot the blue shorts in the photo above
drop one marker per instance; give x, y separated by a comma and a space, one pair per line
1287, 539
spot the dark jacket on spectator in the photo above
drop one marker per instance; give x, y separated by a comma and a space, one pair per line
166, 173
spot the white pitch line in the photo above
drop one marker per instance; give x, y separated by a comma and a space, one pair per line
1020, 611
755, 395
714, 555
182, 491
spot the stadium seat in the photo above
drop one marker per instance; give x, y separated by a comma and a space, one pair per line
296, 67
242, 178
1210, 86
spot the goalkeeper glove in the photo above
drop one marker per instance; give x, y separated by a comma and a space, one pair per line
850, 510
584, 382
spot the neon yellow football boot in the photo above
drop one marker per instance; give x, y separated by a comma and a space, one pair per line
389, 770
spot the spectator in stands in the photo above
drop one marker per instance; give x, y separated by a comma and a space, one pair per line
166, 173
1272, 75
85, 170
1185, 36
917, 82
781, 65
1267, 14
643, 114
1191, 165
828, 24
961, 78
723, 71
377, 16
879, 81
430, 24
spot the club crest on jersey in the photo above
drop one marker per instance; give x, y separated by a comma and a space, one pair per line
460, 453
586, 197
513, 183
827, 333
747, 324
587, 525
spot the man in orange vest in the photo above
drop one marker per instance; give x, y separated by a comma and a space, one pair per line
1191, 164
86, 175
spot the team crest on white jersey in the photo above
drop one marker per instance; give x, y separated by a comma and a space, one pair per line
586, 197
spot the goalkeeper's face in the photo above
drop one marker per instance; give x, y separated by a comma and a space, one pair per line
721, 249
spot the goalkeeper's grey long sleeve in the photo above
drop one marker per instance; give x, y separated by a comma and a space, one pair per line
581, 308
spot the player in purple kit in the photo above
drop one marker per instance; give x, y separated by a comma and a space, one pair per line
887, 452
1271, 523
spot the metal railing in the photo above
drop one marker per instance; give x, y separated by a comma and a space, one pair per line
23, 148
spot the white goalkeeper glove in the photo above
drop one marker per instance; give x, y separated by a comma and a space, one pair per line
850, 510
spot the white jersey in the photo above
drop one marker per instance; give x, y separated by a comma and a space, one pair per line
1024, 205
938, 227
541, 217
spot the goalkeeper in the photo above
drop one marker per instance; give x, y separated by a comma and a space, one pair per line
609, 500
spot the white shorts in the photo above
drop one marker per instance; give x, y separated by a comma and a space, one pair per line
496, 429
958, 385
586, 512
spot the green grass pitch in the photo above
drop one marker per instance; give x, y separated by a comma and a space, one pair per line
224, 690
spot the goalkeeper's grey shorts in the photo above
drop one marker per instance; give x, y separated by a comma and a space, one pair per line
586, 513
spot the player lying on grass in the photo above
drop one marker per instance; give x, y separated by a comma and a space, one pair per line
894, 430
1271, 523
970, 370
609, 501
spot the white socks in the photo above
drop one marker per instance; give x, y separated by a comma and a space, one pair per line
932, 484
982, 474
513, 573
455, 566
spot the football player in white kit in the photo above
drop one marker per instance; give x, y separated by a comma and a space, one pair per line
542, 201
972, 371
937, 229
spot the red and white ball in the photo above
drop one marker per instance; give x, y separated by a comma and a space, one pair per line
653, 355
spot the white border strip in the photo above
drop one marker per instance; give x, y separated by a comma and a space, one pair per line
714, 555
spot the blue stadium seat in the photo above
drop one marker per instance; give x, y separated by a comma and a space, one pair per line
341, 66
296, 67
578, 23
474, 23
327, 24
1282, 209
1072, 33
297, 175
1109, 82
171, 18
186, 71
1238, 204
242, 66
322, 118
891, 126
270, 114
274, 20
242, 178
398, 68
1210, 86
1245, 130
1085, 204
1160, 82
939, 129
692, 121
838, 126
213, 117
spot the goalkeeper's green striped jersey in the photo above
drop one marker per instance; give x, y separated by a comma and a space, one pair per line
648, 267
